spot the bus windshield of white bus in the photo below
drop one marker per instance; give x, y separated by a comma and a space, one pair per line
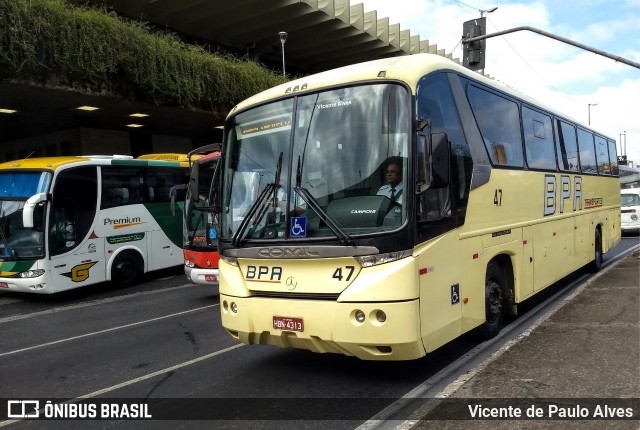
329, 164
16, 241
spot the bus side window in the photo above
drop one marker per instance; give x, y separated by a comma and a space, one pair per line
498, 119
119, 196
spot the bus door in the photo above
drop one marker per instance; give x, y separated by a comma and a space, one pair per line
165, 230
525, 289
76, 253
440, 293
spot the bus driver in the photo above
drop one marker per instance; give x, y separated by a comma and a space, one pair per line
393, 178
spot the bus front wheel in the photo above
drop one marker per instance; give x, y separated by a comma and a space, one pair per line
596, 264
125, 269
494, 299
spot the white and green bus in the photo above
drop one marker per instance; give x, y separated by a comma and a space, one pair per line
499, 197
68, 222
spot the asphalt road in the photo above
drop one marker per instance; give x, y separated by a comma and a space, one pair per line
162, 341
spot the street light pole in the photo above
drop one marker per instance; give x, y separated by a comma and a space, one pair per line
591, 104
283, 38
482, 12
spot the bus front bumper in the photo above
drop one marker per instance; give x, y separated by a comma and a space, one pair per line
27, 285
202, 276
327, 326
631, 227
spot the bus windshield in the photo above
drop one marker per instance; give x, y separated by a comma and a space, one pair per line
333, 163
198, 222
16, 241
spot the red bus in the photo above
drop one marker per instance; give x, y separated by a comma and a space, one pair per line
200, 235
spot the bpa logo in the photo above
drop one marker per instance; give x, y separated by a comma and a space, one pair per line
23, 409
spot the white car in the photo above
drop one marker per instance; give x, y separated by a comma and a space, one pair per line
630, 210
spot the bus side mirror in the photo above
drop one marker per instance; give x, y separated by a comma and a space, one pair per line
29, 207
440, 160
173, 192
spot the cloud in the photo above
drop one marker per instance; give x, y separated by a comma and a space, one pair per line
561, 76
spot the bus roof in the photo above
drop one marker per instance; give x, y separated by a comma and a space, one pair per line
54, 163
183, 159
167, 156
44, 163
408, 68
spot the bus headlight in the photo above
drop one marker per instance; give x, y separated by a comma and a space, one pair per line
32, 273
229, 260
634, 217
190, 264
374, 260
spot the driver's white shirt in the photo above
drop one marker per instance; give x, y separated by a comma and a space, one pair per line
385, 190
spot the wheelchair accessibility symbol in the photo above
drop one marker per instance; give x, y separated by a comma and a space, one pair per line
455, 294
298, 226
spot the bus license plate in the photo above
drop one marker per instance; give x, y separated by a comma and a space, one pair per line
210, 278
4, 285
288, 323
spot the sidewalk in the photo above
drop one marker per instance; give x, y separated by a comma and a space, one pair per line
589, 349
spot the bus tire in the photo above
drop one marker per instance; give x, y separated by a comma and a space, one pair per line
125, 268
494, 301
596, 264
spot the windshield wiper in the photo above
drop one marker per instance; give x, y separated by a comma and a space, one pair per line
258, 205
195, 227
335, 228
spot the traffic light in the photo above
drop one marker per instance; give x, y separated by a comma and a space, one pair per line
473, 53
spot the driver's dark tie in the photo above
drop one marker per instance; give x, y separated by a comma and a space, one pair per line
393, 195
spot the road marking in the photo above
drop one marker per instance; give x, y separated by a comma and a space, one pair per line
91, 303
95, 333
156, 373
139, 379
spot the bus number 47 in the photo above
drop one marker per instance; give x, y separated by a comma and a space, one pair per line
347, 269
497, 197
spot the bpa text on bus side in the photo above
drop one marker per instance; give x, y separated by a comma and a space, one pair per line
564, 194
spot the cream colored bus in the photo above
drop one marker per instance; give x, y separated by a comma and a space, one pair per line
321, 249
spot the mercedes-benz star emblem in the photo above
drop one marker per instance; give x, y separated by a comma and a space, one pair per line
291, 283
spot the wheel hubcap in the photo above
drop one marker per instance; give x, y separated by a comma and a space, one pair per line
494, 301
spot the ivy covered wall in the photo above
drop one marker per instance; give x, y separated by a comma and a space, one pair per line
53, 43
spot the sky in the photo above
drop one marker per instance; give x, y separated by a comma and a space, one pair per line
561, 76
